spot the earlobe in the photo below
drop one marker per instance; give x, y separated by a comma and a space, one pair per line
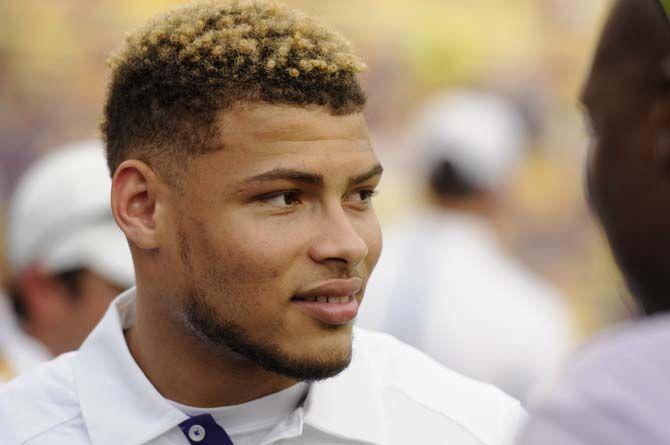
134, 203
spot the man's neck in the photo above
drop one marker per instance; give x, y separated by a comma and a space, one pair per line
186, 371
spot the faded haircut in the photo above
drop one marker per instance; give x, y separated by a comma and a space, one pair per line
173, 77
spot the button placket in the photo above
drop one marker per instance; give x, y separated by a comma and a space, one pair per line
203, 430
197, 433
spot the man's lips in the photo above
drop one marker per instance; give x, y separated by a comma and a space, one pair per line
332, 288
332, 302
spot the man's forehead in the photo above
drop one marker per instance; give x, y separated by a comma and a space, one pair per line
273, 123
292, 141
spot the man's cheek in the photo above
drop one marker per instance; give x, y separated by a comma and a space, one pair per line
372, 236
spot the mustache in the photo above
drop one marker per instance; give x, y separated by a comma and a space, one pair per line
342, 275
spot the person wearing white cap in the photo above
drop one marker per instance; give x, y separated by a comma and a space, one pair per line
68, 258
443, 283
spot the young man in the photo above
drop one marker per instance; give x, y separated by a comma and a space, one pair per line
243, 174
68, 258
616, 392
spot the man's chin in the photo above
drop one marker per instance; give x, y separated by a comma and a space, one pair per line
310, 362
312, 370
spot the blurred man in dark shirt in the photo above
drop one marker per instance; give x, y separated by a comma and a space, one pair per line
617, 391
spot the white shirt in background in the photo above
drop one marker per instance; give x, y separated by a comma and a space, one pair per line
391, 394
445, 286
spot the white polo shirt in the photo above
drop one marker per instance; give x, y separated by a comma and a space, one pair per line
390, 394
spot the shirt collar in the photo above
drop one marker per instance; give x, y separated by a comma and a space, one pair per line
349, 405
272, 409
120, 405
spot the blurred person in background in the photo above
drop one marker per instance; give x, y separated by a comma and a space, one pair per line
444, 284
243, 178
67, 256
8, 360
617, 390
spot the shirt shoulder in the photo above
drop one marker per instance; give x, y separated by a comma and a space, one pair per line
627, 355
42, 405
622, 374
414, 384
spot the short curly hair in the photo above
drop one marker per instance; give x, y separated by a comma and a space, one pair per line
173, 78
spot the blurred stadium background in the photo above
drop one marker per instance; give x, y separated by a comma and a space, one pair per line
53, 73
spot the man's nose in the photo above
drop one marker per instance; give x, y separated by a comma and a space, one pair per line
338, 240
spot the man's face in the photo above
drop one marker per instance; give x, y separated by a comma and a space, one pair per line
276, 237
74, 314
95, 295
629, 159
628, 188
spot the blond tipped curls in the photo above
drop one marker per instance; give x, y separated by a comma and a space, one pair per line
172, 77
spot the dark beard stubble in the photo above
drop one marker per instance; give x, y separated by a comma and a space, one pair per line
223, 336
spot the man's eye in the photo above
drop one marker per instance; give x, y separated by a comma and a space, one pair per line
364, 196
283, 199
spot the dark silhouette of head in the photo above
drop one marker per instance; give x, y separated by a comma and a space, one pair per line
627, 101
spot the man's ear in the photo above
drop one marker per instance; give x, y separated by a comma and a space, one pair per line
136, 203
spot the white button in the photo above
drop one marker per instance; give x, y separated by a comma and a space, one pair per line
196, 433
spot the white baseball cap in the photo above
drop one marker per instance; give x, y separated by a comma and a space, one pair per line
480, 133
60, 216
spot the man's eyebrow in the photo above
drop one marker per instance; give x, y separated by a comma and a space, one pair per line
288, 174
359, 179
